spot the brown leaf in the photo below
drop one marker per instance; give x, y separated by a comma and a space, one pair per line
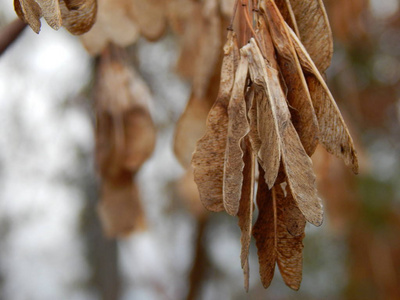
245, 213
120, 209
289, 246
264, 231
267, 120
302, 111
300, 175
238, 127
334, 134
150, 17
29, 12
311, 14
78, 16
51, 12
209, 156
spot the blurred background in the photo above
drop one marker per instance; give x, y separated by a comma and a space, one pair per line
51, 241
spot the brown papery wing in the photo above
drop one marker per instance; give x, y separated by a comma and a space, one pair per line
78, 16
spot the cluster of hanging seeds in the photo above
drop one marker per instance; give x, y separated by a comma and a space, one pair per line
272, 110
77, 16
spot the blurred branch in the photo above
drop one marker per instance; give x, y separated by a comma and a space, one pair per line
199, 267
10, 33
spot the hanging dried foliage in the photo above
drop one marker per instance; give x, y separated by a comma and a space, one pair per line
125, 138
77, 16
273, 109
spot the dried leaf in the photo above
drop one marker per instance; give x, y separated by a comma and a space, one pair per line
29, 12
289, 246
209, 156
334, 134
112, 25
120, 209
78, 16
238, 127
51, 12
264, 231
302, 111
245, 213
311, 14
300, 175
150, 17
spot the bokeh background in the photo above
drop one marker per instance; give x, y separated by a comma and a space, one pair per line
51, 244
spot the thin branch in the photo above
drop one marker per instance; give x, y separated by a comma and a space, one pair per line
10, 33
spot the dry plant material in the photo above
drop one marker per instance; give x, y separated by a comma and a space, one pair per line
238, 127
273, 117
125, 138
150, 17
77, 16
209, 156
113, 25
314, 31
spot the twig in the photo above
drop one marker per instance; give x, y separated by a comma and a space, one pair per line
10, 33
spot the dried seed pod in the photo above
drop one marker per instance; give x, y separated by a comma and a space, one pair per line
78, 16
285, 7
51, 12
334, 133
149, 16
29, 12
245, 213
267, 119
311, 14
302, 111
275, 244
120, 209
125, 138
238, 127
113, 25
190, 127
301, 177
209, 156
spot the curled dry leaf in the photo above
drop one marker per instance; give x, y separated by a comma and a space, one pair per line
120, 209
238, 127
113, 25
302, 111
245, 213
149, 16
78, 16
267, 119
275, 244
311, 14
334, 134
209, 156
29, 12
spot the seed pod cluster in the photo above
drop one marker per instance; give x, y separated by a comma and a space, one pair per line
125, 138
272, 110
77, 16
